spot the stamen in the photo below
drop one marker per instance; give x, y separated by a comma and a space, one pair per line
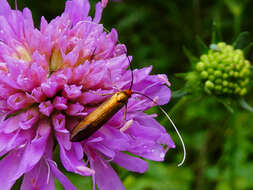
23, 54
127, 125
85, 169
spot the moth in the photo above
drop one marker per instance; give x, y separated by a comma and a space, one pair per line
104, 112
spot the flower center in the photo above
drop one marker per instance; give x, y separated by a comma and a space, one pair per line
23, 54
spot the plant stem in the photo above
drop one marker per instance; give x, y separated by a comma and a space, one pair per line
178, 105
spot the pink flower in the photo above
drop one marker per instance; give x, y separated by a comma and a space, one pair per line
49, 81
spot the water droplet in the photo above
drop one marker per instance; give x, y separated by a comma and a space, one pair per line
162, 155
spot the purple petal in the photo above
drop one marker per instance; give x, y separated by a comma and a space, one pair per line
76, 110
105, 177
164, 78
40, 177
46, 108
120, 142
21, 160
60, 103
28, 119
104, 3
13, 140
72, 162
18, 101
148, 149
49, 88
72, 92
77, 10
38, 95
4, 8
9, 166
61, 132
130, 163
104, 150
60, 176
11, 124
151, 133
35, 149
98, 14
94, 96
71, 153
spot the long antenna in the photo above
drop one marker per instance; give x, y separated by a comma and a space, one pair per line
164, 112
174, 126
132, 74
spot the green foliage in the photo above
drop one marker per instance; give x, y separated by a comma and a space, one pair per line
160, 177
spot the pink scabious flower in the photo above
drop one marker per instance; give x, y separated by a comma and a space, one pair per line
51, 78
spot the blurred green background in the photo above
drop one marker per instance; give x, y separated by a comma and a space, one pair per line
219, 144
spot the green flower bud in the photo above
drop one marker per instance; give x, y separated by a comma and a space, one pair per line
217, 73
218, 87
236, 74
209, 84
204, 74
224, 70
225, 83
243, 91
200, 66
218, 81
225, 75
211, 77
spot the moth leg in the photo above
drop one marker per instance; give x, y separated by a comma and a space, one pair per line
127, 124
125, 112
113, 84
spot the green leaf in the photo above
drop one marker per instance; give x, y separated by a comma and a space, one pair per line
227, 104
216, 34
202, 46
242, 40
179, 93
248, 49
193, 59
181, 75
245, 105
229, 108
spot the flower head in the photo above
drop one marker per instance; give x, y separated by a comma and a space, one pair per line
50, 79
223, 71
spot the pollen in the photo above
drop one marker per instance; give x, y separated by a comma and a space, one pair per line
23, 54
3, 67
34, 184
56, 61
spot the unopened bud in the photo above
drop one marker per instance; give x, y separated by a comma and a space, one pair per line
223, 70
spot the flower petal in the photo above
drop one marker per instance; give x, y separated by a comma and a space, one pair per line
130, 163
105, 176
9, 167
40, 177
77, 10
60, 176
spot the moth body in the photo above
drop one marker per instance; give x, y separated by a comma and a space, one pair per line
97, 118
